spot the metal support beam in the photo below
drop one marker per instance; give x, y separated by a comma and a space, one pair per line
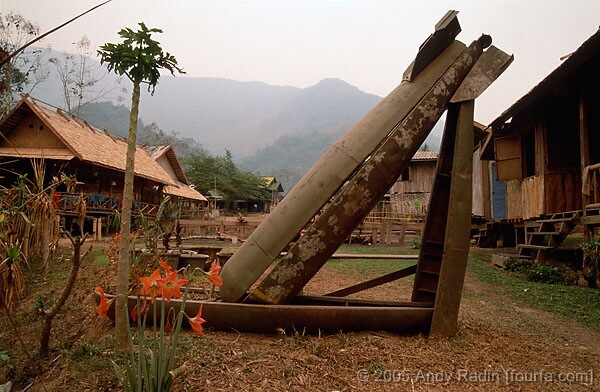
387, 278
458, 225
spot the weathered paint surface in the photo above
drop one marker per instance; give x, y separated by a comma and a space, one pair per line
354, 201
314, 314
326, 177
490, 65
457, 235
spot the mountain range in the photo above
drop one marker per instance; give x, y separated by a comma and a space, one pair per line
270, 130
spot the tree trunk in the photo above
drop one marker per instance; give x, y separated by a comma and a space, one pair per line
45, 229
121, 340
53, 311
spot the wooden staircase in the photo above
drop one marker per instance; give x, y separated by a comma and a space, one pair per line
547, 233
487, 235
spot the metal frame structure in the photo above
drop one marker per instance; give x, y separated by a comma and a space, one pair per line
261, 295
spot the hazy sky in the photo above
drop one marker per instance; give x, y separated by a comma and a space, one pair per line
367, 43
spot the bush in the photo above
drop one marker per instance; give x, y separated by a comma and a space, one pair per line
416, 244
545, 274
537, 273
515, 264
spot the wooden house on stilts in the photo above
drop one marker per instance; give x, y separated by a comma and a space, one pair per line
544, 155
94, 161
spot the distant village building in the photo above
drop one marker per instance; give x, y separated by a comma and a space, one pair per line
93, 159
276, 190
190, 203
409, 196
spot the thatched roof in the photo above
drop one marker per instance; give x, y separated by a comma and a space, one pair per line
185, 191
165, 156
80, 140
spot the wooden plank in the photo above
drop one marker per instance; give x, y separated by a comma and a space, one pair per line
532, 196
508, 157
478, 192
530, 246
565, 195
514, 203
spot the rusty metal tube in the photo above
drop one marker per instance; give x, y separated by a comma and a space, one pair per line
356, 199
330, 172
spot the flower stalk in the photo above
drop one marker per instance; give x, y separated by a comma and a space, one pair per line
149, 365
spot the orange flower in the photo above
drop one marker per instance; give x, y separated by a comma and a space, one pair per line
168, 324
171, 286
213, 274
135, 311
151, 284
196, 322
166, 267
103, 306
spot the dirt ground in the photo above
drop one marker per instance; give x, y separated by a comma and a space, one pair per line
500, 346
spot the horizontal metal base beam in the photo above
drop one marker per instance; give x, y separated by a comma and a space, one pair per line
339, 315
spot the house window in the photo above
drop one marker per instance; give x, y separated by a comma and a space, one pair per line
563, 138
528, 145
405, 175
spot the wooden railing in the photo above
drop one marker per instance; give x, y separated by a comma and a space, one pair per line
590, 187
95, 203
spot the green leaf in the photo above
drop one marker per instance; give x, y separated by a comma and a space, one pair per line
125, 381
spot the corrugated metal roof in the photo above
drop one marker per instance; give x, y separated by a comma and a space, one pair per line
425, 156
588, 49
90, 144
271, 184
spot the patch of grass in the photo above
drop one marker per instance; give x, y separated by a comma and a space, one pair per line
206, 351
572, 241
377, 250
58, 276
101, 260
375, 367
460, 344
575, 303
370, 267
5, 359
251, 355
90, 357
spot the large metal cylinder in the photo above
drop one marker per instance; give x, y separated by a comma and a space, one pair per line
363, 190
330, 172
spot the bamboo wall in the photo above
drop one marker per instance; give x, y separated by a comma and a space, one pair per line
44, 138
411, 198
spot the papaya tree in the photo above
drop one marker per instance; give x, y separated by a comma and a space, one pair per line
140, 59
